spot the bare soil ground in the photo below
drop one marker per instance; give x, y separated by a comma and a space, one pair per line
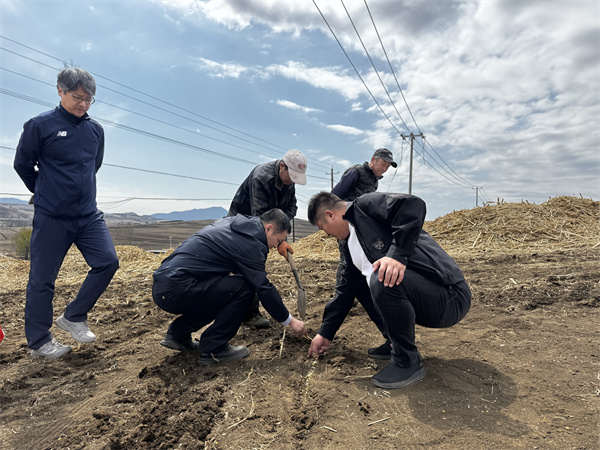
521, 371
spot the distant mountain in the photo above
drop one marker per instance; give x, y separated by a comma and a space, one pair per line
216, 212
17, 213
13, 201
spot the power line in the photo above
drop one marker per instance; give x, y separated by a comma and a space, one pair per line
377, 103
386, 91
369, 91
147, 134
22, 96
355, 69
391, 68
169, 174
373, 65
178, 107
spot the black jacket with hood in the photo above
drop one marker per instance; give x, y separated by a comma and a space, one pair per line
236, 245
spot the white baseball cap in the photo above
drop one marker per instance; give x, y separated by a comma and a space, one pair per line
296, 163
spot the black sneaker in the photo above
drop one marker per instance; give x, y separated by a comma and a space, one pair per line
257, 321
231, 353
383, 352
394, 377
182, 346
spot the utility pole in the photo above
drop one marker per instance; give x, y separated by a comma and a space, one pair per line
332, 178
412, 140
476, 196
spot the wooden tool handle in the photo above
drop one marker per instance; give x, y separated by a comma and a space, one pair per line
291, 261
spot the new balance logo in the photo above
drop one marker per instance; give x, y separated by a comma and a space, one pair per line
62, 133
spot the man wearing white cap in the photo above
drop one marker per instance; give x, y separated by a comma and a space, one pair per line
270, 185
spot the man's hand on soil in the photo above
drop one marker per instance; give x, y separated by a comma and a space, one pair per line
318, 346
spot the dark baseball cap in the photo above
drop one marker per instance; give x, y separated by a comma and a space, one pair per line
386, 155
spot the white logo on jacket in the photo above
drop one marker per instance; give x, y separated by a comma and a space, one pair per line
378, 244
62, 133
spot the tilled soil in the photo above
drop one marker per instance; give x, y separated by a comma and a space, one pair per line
520, 371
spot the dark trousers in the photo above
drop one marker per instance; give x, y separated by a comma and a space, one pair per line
417, 300
222, 299
50, 240
363, 295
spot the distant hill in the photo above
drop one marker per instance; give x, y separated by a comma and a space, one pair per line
215, 212
13, 201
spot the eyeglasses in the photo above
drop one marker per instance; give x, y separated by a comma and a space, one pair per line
78, 99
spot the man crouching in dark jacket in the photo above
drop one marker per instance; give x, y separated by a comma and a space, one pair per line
410, 277
213, 276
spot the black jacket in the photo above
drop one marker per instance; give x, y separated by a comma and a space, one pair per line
231, 245
356, 181
387, 225
68, 151
263, 190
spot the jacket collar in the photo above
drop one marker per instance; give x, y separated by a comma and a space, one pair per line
70, 117
370, 171
278, 183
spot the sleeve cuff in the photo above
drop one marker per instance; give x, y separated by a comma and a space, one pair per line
287, 321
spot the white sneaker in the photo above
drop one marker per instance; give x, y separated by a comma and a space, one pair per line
79, 330
51, 350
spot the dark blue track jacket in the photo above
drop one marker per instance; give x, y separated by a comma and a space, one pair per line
236, 244
67, 151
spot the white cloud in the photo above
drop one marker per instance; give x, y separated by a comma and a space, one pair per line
221, 70
346, 129
296, 107
328, 78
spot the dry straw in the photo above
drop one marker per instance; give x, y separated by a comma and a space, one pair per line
561, 223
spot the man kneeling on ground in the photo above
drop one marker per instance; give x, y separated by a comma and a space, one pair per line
410, 278
213, 276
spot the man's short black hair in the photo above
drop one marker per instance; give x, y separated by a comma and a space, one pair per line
70, 79
321, 202
278, 219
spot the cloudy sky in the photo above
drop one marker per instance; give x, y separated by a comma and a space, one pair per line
193, 94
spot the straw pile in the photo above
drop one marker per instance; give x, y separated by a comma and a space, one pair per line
318, 246
558, 224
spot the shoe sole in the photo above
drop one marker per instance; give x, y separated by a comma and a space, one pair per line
66, 328
174, 345
38, 355
214, 360
380, 357
416, 377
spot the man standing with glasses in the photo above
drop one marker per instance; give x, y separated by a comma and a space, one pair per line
57, 158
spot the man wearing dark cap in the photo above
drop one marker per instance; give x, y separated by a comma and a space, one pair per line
363, 178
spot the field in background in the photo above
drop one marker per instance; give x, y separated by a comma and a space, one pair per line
153, 236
